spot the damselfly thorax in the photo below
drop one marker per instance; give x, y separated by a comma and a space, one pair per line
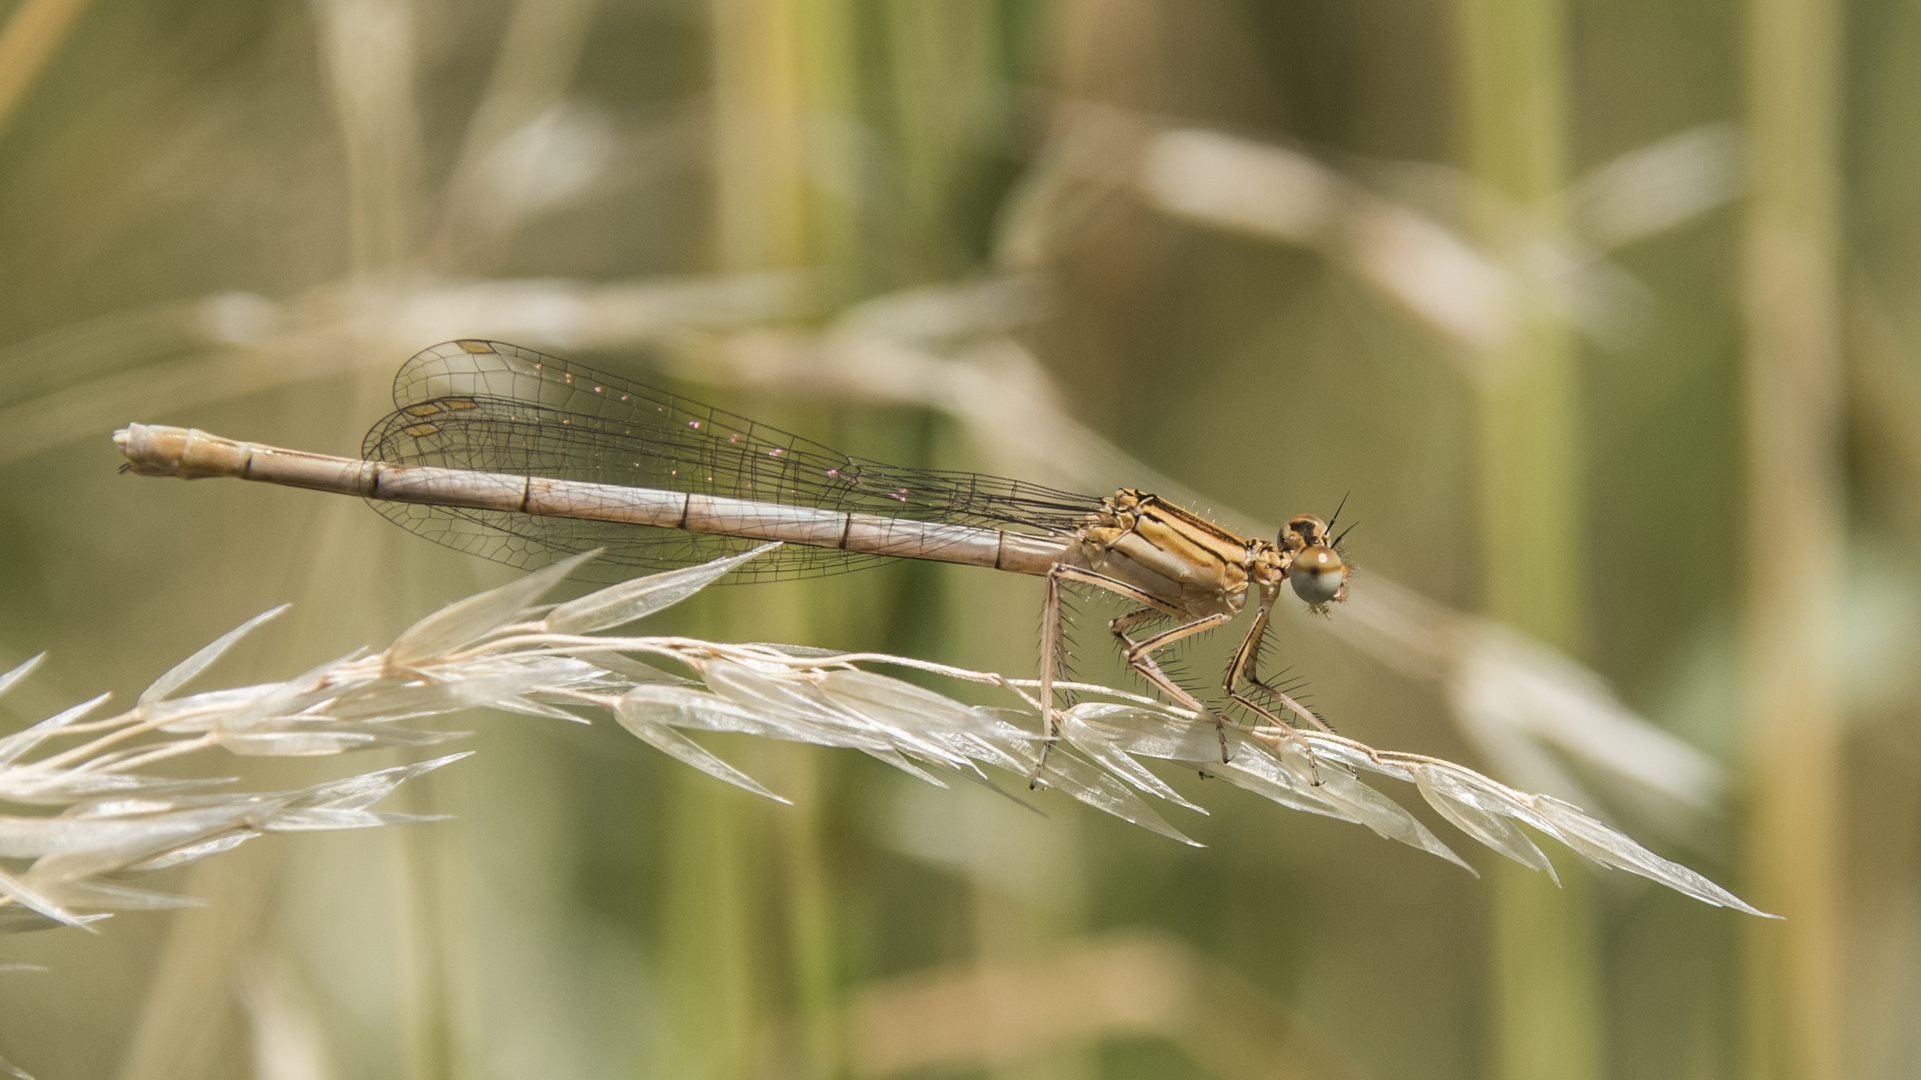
1181, 566
522, 457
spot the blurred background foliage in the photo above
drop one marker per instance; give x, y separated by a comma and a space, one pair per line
1597, 314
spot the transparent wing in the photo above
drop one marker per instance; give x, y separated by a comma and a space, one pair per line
505, 409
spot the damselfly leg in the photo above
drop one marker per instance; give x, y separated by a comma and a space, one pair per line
1139, 655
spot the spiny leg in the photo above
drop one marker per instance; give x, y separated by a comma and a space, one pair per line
1050, 658
1120, 626
1129, 621
1135, 653
1051, 643
1139, 656
1246, 659
1243, 666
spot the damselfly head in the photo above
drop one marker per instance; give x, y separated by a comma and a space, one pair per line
1318, 574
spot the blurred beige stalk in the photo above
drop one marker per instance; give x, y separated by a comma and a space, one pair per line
187, 1022
1119, 986
368, 48
289, 1037
1476, 282
1096, 153
1794, 490
33, 32
487, 196
76, 381
369, 58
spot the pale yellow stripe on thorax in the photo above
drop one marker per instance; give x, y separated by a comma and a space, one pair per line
1206, 564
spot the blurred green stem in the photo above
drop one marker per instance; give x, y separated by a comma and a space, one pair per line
949, 105
1545, 969
707, 963
1794, 494
432, 1048
810, 916
833, 186
784, 73
759, 136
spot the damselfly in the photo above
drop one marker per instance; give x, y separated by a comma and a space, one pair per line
522, 457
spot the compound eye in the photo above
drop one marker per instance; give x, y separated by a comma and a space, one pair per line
1303, 531
1318, 575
